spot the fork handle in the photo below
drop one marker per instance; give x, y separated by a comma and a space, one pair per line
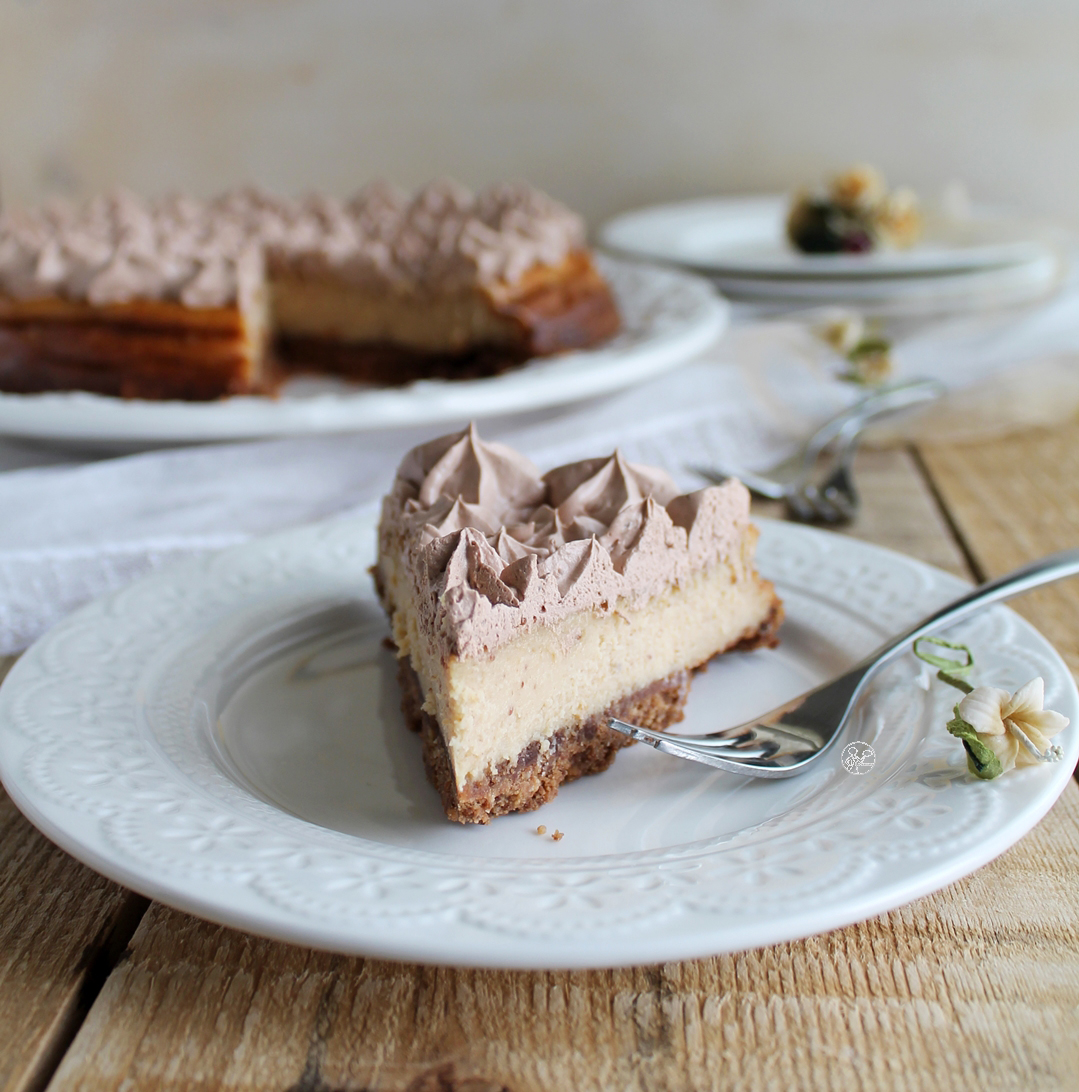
1046, 570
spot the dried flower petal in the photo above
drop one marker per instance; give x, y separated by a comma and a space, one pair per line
1014, 727
843, 331
982, 710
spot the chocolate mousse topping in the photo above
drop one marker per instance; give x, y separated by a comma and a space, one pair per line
494, 548
120, 247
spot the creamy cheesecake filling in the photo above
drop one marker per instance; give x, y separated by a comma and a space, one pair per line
329, 308
490, 709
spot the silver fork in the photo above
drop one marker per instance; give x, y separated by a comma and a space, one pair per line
841, 433
791, 738
833, 500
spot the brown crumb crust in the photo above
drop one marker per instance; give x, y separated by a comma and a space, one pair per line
388, 365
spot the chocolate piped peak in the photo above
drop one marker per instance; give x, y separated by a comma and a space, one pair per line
601, 488
462, 466
490, 548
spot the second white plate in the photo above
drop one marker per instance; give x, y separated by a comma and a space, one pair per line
225, 736
744, 237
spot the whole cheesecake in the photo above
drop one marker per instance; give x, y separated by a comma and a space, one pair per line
197, 300
528, 609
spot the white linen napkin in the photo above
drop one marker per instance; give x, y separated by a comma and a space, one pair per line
70, 533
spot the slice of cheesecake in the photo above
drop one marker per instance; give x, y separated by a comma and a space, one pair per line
526, 609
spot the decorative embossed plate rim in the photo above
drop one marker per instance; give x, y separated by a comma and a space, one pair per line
669, 317
100, 747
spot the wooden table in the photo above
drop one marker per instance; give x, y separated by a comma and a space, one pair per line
974, 987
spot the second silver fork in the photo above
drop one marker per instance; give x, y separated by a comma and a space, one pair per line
832, 499
828, 495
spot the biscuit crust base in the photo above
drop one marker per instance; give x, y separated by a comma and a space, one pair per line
576, 750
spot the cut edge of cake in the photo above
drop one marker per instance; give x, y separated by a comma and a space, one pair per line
149, 349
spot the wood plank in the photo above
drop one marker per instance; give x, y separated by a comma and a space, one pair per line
1015, 500
974, 987
61, 926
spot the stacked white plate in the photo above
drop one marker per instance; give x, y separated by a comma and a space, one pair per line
987, 259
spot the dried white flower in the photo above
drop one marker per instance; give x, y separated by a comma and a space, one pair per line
1014, 727
870, 362
843, 330
868, 355
859, 187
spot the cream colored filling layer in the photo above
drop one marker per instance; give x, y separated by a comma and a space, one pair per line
336, 309
555, 676
256, 324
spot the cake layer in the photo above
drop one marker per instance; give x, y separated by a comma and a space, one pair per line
531, 778
35, 360
335, 310
377, 335
492, 708
159, 315
142, 349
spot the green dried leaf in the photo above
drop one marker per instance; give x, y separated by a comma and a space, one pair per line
953, 672
981, 761
869, 346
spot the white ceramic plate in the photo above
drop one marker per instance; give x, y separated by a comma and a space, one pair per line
744, 237
977, 289
668, 317
224, 736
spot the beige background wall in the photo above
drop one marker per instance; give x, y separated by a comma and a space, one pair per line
606, 104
